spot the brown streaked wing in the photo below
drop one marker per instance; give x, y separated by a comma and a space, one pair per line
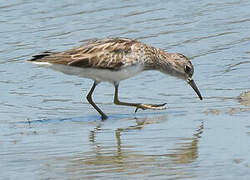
109, 53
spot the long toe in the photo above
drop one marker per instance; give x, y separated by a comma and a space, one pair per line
158, 105
151, 106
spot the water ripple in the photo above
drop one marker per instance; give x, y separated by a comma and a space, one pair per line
49, 130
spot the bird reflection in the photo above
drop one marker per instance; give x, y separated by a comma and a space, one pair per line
188, 151
93, 132
140, 122
120, 155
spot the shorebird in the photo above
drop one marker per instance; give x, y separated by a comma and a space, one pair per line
116, 59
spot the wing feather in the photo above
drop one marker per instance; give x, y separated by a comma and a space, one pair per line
110, 53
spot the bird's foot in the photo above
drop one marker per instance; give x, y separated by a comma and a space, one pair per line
150, 106
104, 117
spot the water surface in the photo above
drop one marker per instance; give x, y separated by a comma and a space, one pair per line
49, 131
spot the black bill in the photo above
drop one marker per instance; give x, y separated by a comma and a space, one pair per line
193, 85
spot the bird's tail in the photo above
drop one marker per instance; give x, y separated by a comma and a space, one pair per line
38, 57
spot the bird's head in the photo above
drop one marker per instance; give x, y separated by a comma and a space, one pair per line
179, 66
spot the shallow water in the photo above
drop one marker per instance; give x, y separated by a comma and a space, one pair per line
49, 131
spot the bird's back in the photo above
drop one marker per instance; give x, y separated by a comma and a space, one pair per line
108, 53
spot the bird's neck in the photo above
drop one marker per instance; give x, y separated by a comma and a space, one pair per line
156, 59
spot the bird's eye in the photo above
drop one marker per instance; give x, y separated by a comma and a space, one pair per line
187, 69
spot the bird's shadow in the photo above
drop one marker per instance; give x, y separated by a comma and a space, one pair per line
93, 118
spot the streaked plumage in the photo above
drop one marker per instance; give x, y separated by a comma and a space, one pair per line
112, 54
116, 59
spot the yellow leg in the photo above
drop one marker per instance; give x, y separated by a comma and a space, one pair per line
137, 105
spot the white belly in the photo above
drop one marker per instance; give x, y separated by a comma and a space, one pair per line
97, 74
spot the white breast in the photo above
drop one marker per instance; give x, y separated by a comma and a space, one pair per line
97, 74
